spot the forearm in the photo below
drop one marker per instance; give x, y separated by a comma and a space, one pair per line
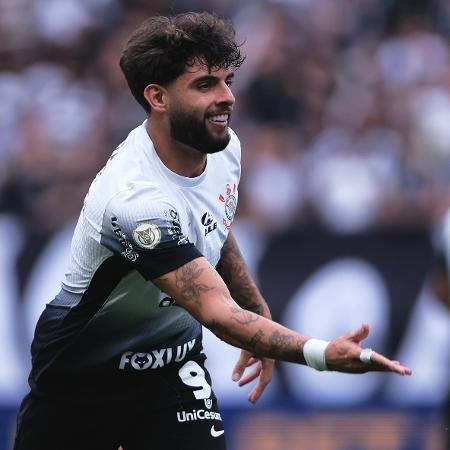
197, 287
234, 271
258, 335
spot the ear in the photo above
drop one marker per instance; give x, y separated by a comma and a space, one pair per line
157, 97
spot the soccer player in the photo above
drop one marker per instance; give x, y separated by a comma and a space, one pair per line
117, 356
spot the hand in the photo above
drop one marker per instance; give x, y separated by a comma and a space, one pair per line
263, 370
342, 355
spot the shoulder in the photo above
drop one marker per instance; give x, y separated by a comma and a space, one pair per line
128, 173
140, 199
147, 215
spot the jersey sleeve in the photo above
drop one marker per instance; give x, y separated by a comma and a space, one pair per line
145, 229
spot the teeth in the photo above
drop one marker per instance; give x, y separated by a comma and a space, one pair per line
219, 118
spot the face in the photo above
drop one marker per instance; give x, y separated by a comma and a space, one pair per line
200, 108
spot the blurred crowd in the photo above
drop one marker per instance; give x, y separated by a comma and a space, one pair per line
343, 108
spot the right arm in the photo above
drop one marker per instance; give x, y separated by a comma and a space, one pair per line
197, 287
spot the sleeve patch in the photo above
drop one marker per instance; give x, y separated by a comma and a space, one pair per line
133, 239
147, 235
150, 247
125, 248
173, 227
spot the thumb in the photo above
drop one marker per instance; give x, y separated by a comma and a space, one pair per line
361, 333
240, 366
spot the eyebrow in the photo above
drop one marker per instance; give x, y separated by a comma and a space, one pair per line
211, 78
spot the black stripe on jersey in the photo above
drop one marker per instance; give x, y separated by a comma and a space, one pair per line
164, 260
105, 279
59, 325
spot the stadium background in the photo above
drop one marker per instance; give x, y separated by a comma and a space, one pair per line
343, 110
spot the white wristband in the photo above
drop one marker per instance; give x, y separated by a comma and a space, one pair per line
366, 355
314, 353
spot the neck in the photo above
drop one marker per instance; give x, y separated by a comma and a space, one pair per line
178, 157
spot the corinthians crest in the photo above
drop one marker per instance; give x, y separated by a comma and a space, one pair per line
147, 235
230, 201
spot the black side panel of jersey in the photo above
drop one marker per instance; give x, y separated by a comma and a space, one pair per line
59, 325
158, 262
105, 279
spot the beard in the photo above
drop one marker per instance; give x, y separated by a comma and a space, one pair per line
189, 130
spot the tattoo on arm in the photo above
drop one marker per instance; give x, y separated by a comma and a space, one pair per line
256, 339
242, 316
186, 279
276, 345
278, 340
222, 332
234, 272
285, 344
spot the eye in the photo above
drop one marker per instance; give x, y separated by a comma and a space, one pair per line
229, 82
204, 86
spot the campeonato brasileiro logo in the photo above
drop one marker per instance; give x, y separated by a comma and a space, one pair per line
147, 235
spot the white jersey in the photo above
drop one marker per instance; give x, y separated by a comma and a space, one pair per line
139, 221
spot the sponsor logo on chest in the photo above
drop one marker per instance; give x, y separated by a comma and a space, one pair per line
208, 222
156, 358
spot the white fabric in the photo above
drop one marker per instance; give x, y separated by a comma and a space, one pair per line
314, 353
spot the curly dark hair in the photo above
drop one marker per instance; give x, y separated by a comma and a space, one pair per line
162, 47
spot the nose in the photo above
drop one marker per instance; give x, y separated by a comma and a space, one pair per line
226, 96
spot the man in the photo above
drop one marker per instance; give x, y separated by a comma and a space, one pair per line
117, 355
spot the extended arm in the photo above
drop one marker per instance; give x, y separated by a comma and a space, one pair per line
198, 288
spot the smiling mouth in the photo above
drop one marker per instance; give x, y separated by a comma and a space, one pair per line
219, 119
